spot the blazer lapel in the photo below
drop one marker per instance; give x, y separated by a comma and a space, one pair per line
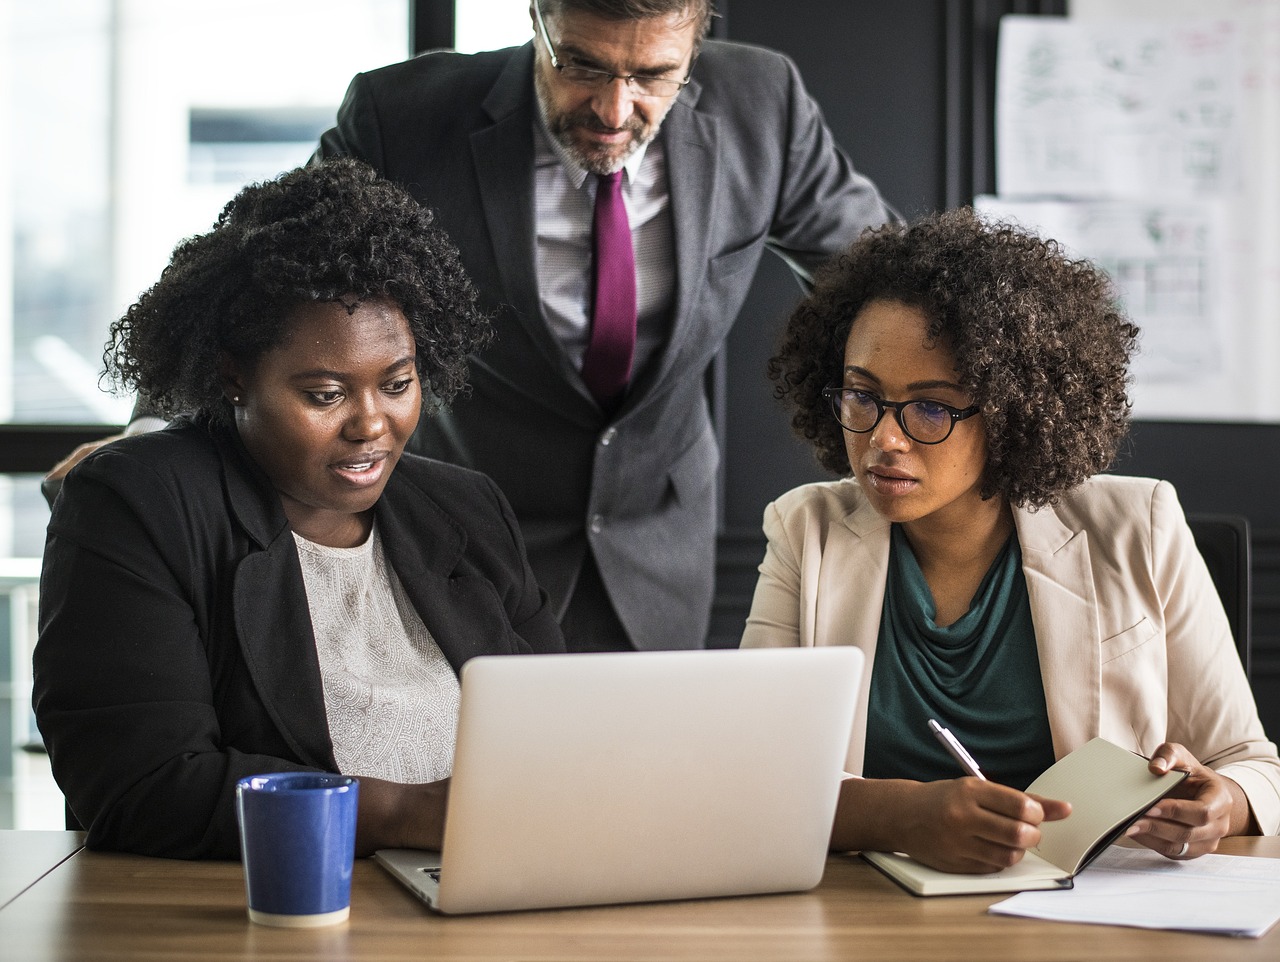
424, 545
273, 621
689, 140
850, 609
1059, 575
502, 154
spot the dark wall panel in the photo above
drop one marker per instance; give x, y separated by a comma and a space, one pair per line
877, 71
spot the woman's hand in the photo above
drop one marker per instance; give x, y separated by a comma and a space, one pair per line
958, 825
393, 815
970, 825
1191, 820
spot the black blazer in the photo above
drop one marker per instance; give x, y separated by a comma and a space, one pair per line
176, 653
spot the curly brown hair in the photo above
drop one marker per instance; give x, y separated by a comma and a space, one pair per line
333, 231
1040, 345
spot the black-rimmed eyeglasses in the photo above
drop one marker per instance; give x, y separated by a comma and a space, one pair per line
925, 422
644, 86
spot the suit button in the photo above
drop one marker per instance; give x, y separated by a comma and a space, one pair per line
607, 438
597, 523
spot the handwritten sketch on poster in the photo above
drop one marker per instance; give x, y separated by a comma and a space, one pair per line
1117, 109
1151, 146
1163, 259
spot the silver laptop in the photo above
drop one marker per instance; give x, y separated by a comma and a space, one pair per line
589, 779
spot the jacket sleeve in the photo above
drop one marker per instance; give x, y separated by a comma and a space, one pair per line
823, 202
1211, 708
356, 133
527, 605
774, 620
123, 692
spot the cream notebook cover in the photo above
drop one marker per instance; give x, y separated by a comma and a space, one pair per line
1107, 786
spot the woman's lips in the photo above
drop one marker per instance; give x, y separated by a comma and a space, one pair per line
890, 481
361, 470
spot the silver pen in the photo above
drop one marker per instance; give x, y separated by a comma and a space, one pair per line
956, 750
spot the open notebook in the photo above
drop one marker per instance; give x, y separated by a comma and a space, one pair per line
600, 778
1108, 788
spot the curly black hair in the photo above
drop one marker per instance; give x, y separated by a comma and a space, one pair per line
1040, 343
333, 231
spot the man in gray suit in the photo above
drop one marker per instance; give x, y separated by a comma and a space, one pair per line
724, 154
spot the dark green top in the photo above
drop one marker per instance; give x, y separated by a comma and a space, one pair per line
979, 677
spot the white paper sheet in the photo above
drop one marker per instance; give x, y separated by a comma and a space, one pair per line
1219, 894
1117, 109
1161, 105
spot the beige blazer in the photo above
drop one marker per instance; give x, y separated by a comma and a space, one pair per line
1134, 645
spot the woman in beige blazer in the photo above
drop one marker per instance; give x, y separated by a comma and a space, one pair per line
969, 382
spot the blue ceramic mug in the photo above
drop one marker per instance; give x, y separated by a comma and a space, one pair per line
297, 842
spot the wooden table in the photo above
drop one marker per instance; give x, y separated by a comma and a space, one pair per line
95, 906
26, 857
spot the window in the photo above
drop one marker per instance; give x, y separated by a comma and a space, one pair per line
131, 123
491, 24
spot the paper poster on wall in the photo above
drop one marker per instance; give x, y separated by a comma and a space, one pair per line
1116, 109
1166, 262
1151, 146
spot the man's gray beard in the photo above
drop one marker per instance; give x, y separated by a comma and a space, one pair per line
601, 166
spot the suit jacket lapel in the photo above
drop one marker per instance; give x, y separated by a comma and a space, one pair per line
1059, 575
503, 157
689, 140
425, 546
273, 621
851, 606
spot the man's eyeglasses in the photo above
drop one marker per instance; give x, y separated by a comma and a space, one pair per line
926, 422
591, 77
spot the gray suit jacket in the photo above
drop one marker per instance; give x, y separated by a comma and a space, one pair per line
751, 165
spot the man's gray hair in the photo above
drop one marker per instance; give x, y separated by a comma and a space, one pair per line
700, 11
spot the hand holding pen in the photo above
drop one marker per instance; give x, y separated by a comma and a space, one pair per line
978, 825
952, 824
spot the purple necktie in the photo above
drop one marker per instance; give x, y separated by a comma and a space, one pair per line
606, 366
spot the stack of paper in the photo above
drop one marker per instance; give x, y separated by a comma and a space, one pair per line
1223, 894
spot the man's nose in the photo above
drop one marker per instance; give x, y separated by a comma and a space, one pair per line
614, 103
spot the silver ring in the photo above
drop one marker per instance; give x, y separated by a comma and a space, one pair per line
1182, 851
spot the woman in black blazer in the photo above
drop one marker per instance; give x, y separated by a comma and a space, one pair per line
258, 586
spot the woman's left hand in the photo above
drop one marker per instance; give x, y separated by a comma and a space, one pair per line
395, 815
1191, 819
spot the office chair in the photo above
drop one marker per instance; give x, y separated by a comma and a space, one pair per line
1223, 540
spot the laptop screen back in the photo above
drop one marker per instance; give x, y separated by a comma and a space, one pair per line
602, 778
